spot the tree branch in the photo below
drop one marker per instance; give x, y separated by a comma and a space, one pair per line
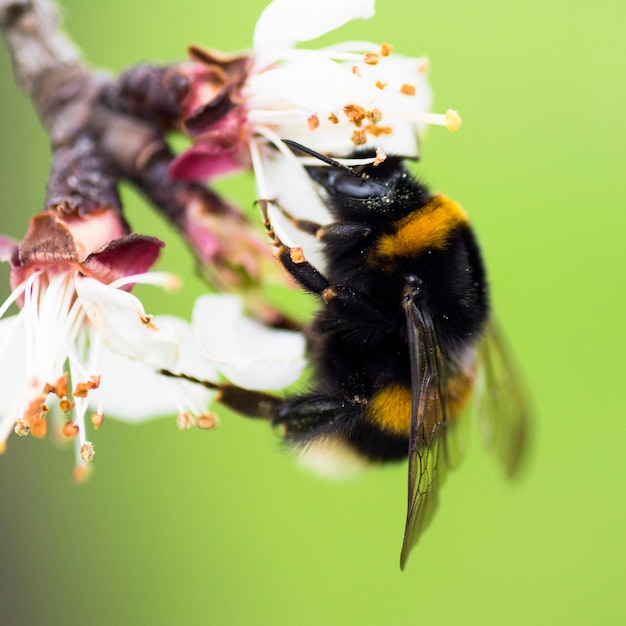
36, 43
103, 130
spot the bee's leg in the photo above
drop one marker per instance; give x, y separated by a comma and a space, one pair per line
304, 415
297, 417
305, 226
336, 232
293, 260
351, 303
372, 319
343, 232
307, 275
249, 403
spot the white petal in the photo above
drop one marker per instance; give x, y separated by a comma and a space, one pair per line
312, 83
290, 185
283, 99
248, 353
285, 22
124, 327
191, 360
132, 392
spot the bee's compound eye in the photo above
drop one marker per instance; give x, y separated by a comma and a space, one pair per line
352, 187
344, 185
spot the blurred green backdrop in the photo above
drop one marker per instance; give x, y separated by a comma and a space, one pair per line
221, 527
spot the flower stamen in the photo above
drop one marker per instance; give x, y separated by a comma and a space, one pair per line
21, 428
66, 405
87, 451
450, 119
97, 419
313, 122
59, 388
39, 427
70, 430
371, 58
380, 157
377, 131
207, 421
385, 49
355, 113
82, 389
358, 137
184, 420
167, 280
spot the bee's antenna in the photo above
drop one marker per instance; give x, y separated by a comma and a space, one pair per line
322, 157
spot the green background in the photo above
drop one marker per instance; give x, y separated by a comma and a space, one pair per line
221, 527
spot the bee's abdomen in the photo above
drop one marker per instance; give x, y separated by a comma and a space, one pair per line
390, 408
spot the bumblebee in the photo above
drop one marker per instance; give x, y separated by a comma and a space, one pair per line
403, 334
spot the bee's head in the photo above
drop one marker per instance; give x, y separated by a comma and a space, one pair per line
363, 192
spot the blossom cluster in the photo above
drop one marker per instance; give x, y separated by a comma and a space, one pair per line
81, 345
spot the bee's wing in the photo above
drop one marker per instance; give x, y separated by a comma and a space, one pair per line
427, 444
501, 404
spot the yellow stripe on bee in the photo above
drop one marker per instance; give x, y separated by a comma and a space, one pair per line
427, 228
390, 408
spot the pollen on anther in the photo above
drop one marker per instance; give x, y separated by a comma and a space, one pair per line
97, 419
36, 409
313, 122
329, 294
407, 90
70, 430
87, 451
147, 320
358, 137
82, 389
39, 427
297, 255
80, 473
21, 428
377, 131
66, 405
371, 58
184, 421
172, 282
206, 421
380, 157
375, 115
333, 119
355, 113
453, 120
356, 72
59, 388
380, 84
385, 49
